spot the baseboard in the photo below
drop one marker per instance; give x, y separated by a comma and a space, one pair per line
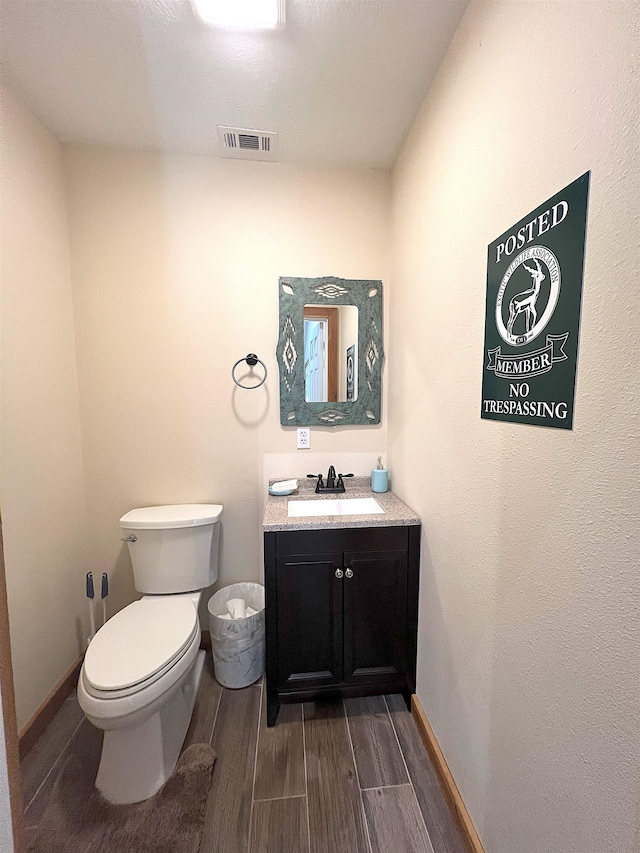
49, 708
446, 777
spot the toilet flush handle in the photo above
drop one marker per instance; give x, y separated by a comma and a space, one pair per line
130, 538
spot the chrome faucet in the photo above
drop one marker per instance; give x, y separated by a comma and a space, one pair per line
332, 486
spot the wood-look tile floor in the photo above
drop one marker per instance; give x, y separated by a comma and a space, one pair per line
330, 777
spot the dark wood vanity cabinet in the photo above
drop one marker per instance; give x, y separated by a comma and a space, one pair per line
341, 613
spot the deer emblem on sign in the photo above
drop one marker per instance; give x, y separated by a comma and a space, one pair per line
525, 302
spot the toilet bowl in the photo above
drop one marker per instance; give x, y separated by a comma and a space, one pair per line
142, 669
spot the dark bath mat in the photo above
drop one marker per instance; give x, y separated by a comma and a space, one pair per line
78, 820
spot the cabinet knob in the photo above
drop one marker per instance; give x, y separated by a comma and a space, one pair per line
339, 573
349, 573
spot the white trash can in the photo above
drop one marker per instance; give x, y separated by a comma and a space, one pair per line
237, 644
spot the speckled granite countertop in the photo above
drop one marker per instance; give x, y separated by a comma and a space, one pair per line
396, 513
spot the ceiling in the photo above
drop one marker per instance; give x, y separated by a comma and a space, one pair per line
341, 83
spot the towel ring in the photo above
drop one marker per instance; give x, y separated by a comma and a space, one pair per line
251, 359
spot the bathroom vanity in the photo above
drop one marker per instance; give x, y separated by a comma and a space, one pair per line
341, 599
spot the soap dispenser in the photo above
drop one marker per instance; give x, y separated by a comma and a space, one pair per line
379, 478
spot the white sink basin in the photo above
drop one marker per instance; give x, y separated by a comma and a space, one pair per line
338, 506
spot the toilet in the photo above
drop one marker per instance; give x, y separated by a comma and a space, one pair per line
142, 669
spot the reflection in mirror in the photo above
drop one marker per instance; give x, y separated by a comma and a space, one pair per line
330, 353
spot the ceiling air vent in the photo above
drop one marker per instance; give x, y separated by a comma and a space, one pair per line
248, 144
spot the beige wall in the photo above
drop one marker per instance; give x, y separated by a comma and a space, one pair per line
42, 496
529, 634
175, 267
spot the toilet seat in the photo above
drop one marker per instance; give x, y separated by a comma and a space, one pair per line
139, 645
110, 710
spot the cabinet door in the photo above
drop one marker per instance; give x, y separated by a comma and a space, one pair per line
309, 608
375, 616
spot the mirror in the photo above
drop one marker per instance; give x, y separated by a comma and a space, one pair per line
330, 351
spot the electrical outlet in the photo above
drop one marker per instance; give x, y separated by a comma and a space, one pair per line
304, 438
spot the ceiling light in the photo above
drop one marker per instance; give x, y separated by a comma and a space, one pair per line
241, 14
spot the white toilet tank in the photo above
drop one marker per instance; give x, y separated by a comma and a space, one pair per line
173, 548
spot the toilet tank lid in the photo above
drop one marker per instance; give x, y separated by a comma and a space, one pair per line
167, 517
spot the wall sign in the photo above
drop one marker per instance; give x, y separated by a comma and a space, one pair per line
532, 322
351, 387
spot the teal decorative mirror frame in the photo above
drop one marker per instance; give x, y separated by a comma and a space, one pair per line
295, 293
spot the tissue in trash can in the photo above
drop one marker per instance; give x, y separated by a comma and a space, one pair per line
237, 609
